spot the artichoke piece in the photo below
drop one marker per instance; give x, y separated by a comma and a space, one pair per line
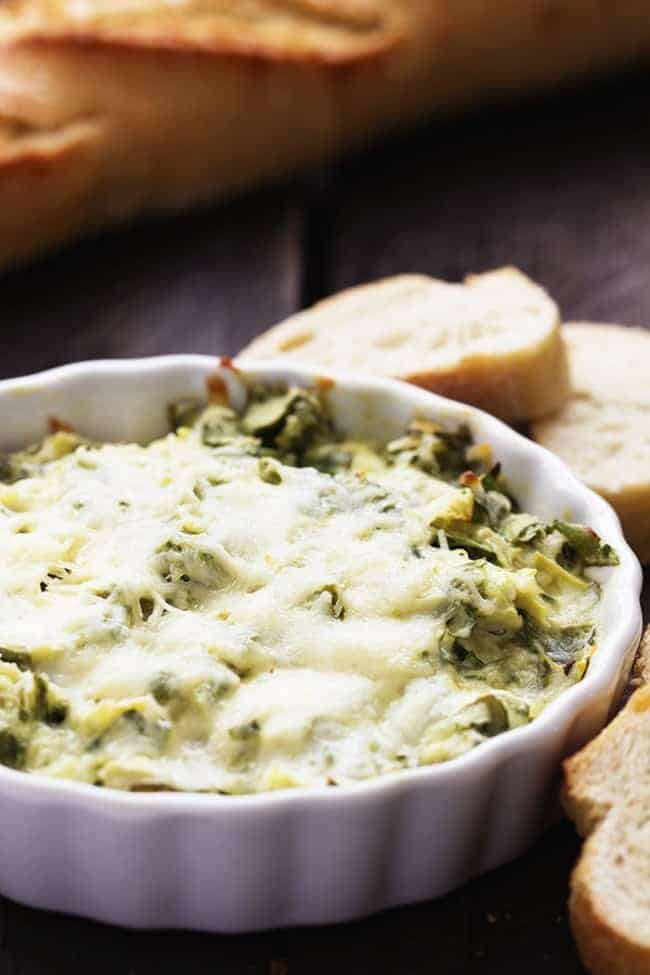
181, 561
11, 471
488, 715
137, 720
165, 687
47, 704
328, 458
458, 626
290, 421
588, 546
522, 529
331, 595
492, 714
453, 455
485, 717
219, 425
432, 449
269, 470
462, 620
169, 691
462, 536
29, 462
563, 646
266, 413
457, 538
21, 658
246, 740
453, 652
12, 750
245, 732
183, 413
490, 505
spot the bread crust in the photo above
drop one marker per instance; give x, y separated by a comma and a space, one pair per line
598, 808
523, 387
602, 431
156, 151
516, 384
230, 103
604, 949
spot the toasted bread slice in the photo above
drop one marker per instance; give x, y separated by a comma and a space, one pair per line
607, 794
603, 431
493, 341
109, 109
113, 108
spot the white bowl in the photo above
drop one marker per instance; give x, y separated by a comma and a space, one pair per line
307, 856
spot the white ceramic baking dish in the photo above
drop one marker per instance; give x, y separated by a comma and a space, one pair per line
304, 856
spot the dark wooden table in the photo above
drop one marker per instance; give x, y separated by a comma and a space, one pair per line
560, 187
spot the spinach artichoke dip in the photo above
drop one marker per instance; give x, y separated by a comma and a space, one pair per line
254, 602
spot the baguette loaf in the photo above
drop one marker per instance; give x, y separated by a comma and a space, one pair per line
493, 341
607, 794
603, 431
113, 108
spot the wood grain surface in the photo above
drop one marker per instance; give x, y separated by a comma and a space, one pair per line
560, 187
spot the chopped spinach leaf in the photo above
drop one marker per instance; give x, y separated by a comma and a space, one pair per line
588, 545
12, 750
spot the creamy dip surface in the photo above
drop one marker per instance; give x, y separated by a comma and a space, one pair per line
254, 602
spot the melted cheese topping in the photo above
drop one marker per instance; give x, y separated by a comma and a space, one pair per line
198, 617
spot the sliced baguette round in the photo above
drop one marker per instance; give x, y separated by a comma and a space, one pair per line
607, 794
603, 431
493, 341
